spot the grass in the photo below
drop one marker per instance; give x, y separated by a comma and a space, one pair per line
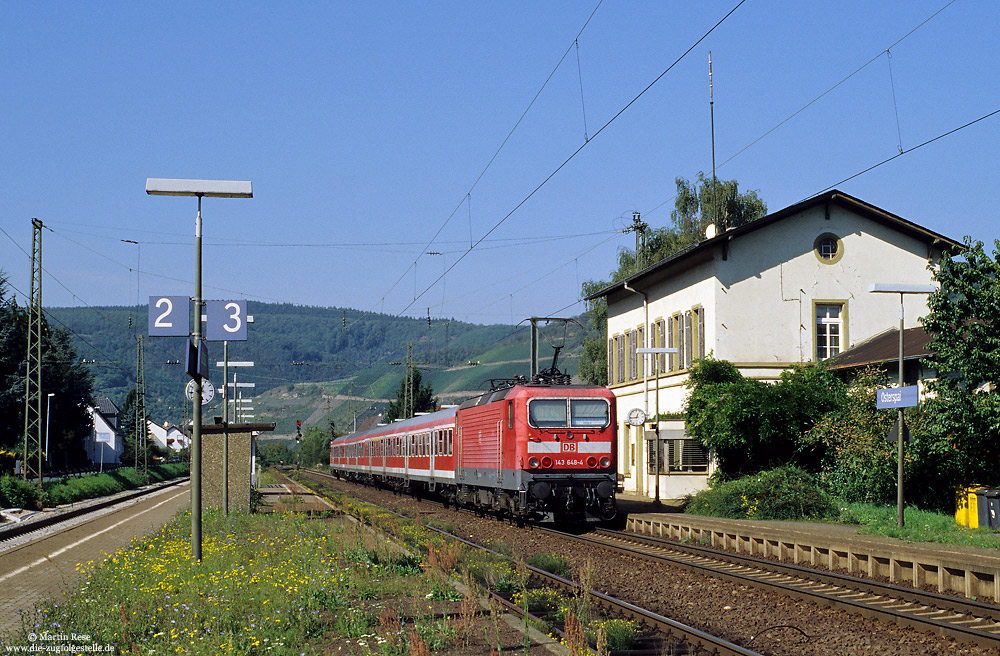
91, 486
919, 525
287, 584
15, 492
276, 584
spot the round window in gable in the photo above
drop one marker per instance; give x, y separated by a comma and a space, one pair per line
828, 248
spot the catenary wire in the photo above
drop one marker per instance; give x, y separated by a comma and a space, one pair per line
570, 158
468, 195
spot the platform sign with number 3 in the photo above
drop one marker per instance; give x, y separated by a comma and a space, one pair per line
225, 320
169, 316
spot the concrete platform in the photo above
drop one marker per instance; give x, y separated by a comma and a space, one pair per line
292, 497
967, 571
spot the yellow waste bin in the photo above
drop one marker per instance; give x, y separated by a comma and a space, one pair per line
966, 507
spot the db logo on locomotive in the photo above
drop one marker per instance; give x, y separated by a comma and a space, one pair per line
569, 447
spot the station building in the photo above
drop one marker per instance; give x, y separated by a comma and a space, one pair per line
791, 287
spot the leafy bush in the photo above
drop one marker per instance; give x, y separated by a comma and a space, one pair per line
782, 493
752, 425
15, 492
552, 564
860, 463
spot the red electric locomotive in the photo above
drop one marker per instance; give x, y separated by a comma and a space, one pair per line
530, 451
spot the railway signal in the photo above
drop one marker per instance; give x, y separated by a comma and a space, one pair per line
298, 441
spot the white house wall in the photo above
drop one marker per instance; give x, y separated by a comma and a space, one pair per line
772, 278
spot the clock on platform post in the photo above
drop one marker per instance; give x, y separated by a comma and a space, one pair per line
636, 417
207, 391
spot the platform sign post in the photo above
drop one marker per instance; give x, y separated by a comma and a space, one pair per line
199, 189
901, 289
654, 351
897, 397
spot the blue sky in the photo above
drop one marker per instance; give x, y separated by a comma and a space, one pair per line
368, 127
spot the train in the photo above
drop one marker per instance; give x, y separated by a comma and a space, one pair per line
532, 450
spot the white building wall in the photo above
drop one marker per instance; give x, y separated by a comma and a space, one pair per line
158, 433
110, 447
767, 309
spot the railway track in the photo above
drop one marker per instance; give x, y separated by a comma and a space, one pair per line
21, 531
962, 619
970, 621
694, 640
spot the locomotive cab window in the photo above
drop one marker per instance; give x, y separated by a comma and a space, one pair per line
565, 413
547, 413
589, 413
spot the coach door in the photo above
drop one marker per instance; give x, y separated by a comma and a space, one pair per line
499, 451
432, 451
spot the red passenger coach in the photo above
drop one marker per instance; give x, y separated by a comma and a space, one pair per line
528, 451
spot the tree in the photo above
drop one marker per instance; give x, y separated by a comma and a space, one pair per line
274, 452
62, 375
695, 206
315, 448
422, 398
717, 202
860, 463
964, 406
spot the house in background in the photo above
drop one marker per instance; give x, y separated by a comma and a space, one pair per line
157, 433
789, 288
104, 445
168, 437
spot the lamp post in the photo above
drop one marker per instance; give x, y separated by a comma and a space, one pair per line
200, 189
654, 351
48, 401
901, 289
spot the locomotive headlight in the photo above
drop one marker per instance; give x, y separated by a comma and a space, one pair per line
533, 462
605, 462
591, 462
546, 462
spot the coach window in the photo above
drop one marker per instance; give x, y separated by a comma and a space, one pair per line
451, 442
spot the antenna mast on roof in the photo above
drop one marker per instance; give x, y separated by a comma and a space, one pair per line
711, 109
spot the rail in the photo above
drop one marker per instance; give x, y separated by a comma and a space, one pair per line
962, 619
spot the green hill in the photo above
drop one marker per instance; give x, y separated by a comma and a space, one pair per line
311, 364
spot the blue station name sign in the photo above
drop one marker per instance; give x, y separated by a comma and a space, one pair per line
896, 397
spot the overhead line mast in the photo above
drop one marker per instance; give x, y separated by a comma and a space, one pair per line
32, 463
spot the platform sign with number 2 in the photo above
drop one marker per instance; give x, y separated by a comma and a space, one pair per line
169, 316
